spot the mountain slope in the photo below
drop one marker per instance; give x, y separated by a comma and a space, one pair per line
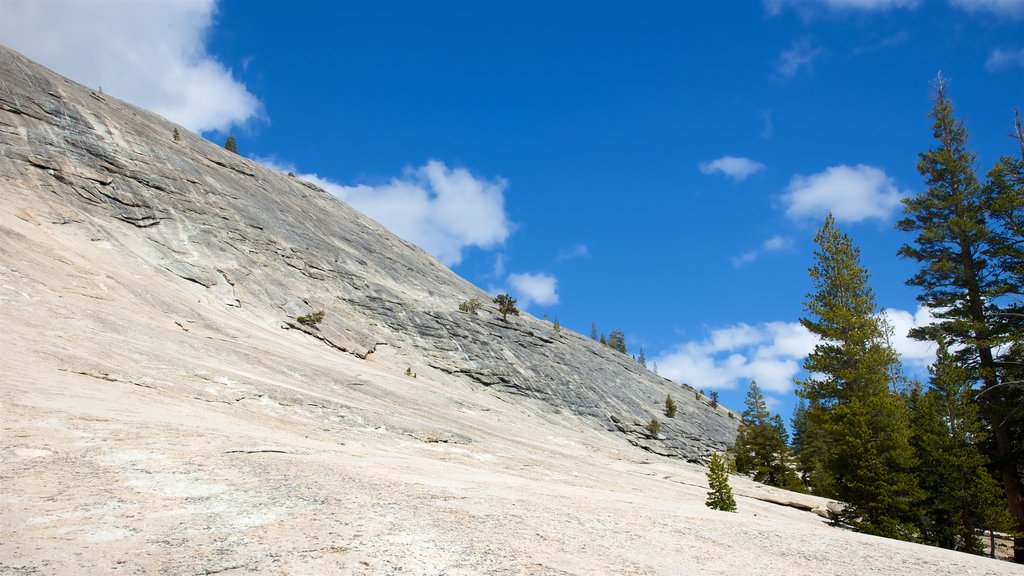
160, 415
272, 248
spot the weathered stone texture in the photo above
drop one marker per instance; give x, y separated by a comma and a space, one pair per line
274, 247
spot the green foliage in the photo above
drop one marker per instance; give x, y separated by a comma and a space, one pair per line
311, 319
556, 326
761, 449
230, 145
409, 372
642, 358
968, 241
961, 497
506, 305
617, 341
175, 134
653, 426
720, 493
714, 398
865, 426
670, 407
470, 306
593, 331
810, 448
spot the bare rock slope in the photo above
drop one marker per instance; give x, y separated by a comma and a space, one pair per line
273, 247
157, 418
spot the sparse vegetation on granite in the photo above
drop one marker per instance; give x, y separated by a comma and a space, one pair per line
470, 306
311, 319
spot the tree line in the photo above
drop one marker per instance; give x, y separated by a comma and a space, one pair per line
939, 462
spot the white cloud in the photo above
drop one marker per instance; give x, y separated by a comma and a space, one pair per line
916, 354
773, 244
767, 124
1001, 58
539, 288
151, 54
737, 168
769, 353
871, 4
801, 54
577, 251
1009, 8
442, 210
777, 6
851, 194
772, 353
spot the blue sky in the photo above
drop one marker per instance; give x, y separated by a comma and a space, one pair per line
658, 167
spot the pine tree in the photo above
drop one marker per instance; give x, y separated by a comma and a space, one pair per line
230, 145
713, 396
175, 134
966, 272
761, 444
961, 497
506, 305
866, 426
642, 358
810, 449
617, 340
670, 407
720, 493
593, 331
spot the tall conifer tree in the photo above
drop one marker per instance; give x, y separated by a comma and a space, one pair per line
966, 274
866, 425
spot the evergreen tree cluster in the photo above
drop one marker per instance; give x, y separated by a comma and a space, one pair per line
762, 444
941, 462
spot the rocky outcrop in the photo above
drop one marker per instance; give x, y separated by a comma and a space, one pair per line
272, 247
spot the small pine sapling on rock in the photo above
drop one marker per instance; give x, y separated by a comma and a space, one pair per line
176, 135
720, 493
470, 306
654, 427
506, 305
230, 145
670, 407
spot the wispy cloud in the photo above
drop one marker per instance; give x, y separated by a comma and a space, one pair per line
1002, 58
152, 54
767, 124
850, 193
577, 251
873, 5
773, 244
1007, 8
772, 353
800, 55
534, 288
806, 7
737, 168
440, 209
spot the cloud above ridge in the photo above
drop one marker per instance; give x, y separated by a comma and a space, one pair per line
440, 209
850, 193
152, 54
535, 288
772, 353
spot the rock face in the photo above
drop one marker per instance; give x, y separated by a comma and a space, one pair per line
268, 248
